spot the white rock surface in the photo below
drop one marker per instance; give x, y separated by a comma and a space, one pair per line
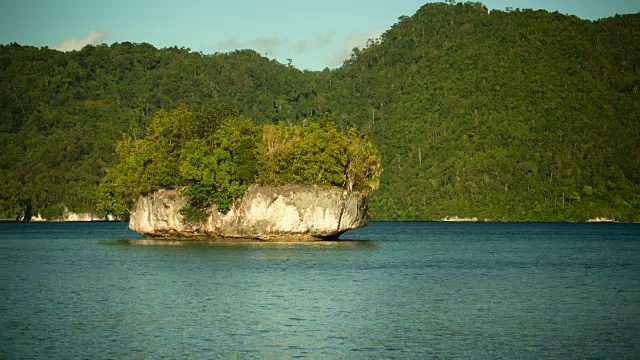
71, 216
602, 219
457, 219
290, 212
37, 218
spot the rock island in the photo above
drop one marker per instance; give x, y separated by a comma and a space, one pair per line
209, 174
265, 212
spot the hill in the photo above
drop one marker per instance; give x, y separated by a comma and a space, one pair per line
62, 113
520, 115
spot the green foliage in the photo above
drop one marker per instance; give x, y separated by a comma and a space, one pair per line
319, 154
504, 115
213, 155
219, 168
209, 153
302, 154
193, 214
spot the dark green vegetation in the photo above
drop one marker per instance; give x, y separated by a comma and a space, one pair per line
519, 115
214, 155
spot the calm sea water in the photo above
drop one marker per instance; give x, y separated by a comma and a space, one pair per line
413, 290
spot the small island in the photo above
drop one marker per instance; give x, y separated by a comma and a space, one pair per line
208, 174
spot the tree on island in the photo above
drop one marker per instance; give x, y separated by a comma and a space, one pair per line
213, 155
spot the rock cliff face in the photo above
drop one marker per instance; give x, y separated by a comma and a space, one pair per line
271, 213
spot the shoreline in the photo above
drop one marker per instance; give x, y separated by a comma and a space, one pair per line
588, 221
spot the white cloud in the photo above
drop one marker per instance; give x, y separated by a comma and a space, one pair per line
358, 40
94, 37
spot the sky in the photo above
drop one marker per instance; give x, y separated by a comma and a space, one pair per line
312, 34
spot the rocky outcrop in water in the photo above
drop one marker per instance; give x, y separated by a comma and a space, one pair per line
67, 216
71, 216
271, 213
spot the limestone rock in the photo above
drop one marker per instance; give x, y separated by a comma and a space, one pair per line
272, 213
83, 217
67, 216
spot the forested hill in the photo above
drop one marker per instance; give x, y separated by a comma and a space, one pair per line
62, 113
519, 115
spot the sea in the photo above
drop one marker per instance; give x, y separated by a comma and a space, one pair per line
388, 291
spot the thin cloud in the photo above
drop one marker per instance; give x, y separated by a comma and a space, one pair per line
324, 40
318, 41
302, 46
230, 44
268, 44
265, 44
273, 46
358, 40
94, 37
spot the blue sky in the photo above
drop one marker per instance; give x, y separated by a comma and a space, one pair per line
314, 34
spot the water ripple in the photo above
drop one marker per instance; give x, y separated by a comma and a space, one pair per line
417, 290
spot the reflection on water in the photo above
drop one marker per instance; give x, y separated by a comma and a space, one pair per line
247, 243
415, 290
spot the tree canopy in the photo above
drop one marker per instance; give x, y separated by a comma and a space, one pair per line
214, 155
515, 115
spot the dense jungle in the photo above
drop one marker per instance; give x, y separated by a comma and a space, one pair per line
514, 115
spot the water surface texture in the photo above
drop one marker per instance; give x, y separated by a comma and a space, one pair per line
414, 290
